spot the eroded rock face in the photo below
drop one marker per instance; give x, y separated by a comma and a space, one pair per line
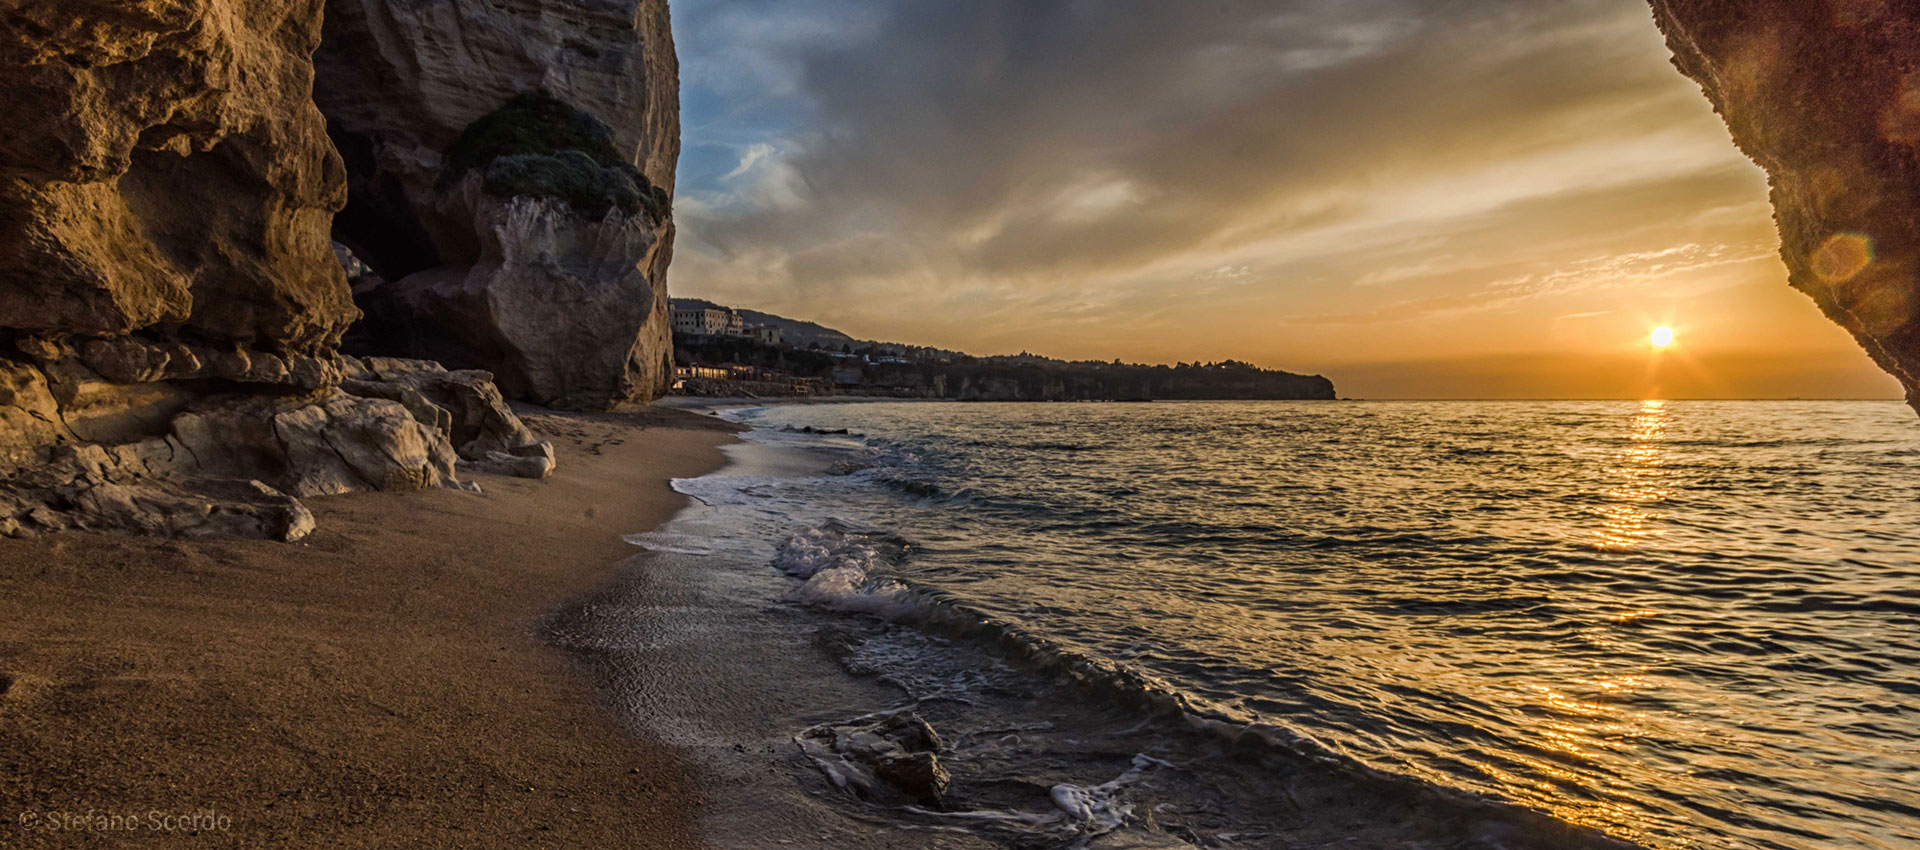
170, 300
1825, 95
465, 406
486, 143
561, 309
408, 76
170, 455
166, 170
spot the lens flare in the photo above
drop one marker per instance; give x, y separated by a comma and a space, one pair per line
1661, 337
1843, 257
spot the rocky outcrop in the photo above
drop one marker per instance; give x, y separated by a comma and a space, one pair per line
510, 165
1826, 97
561, 308
410, 76
463, 405
170, 303
166, 168
171, 453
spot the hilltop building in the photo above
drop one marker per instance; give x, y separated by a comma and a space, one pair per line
708, 321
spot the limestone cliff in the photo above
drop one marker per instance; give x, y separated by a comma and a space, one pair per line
510, 165
166, 172
170, 303
1825, 95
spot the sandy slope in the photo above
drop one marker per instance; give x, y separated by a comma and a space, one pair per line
380, 685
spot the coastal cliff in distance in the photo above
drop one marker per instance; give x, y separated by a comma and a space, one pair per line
172, 303
1826, 97
783, 356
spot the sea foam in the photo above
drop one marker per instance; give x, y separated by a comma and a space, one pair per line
841, 566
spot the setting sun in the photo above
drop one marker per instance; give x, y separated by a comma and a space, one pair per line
1661, 337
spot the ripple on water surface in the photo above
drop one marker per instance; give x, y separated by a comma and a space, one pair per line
1685, 623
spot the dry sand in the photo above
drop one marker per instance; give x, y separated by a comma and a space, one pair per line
381, 684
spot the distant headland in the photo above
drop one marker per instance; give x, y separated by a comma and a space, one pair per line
725, 351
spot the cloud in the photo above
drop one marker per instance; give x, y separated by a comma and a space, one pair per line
749, 158
1639, 268
1224, 273
1037, 137
1010, 172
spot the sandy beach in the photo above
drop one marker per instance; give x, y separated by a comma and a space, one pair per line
381, 684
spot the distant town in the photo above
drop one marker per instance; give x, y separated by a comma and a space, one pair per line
729, 352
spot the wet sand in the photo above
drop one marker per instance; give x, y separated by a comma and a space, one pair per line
381, 684
713, 658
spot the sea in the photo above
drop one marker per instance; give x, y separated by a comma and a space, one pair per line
1671, 624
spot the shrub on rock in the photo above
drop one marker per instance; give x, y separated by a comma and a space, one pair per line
538, 146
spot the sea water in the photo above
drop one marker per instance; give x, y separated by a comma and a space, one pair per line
1684, 624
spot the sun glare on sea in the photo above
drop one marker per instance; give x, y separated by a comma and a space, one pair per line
1661, 337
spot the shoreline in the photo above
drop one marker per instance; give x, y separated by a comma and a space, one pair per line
519, 673
710, 656
383, 683
706, 645
712, 404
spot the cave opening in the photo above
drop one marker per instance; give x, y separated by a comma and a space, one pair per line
377, 224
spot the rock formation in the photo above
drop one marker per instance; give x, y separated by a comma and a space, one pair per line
220, 451
510, 165
167, 173
170, 303
1825, 95
465, 406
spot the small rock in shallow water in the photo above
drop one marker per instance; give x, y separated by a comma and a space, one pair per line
875, 756
919, 775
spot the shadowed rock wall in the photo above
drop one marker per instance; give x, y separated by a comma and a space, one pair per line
564, 302
1825, 95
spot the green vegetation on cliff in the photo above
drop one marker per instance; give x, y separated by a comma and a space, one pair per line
536, 145
901, 371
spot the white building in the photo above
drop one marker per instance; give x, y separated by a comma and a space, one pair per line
768, 334
707, 321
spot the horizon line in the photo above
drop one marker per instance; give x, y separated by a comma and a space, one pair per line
1625, 398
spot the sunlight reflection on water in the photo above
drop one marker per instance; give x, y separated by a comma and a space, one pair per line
1691, 624
1627, 516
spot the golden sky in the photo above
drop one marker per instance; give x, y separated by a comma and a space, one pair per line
1470, 199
